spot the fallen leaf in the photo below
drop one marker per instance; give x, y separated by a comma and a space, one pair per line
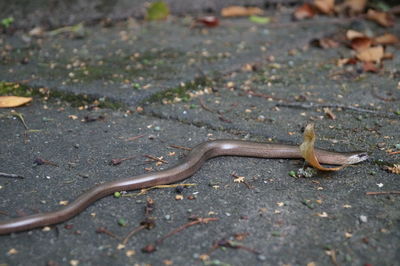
241, 236
371, 54
348, 235
157, 11
239, 179
370, 67
325, 6
386, 38
120, 246
209, 21
325, 43
329, 113
394, 170
12, 251
308, 152
351, 34
63, 202
130, 253
259, 20
304, 11
322, 215
382, 18
178, 197
240, 11
387, 56
361, 43
13, 101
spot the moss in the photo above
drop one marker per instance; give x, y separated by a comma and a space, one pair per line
16, 89
181, 92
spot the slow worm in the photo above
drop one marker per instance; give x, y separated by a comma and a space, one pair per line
187, 167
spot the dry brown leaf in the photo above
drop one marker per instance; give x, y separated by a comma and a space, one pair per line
308, 153
387, 56
325, 6
304, 11
240, 11
386, 38
371, 54
13, 101
361, 43
325, 43
329, 113
352, 34
395, 169
382, 18
370, 67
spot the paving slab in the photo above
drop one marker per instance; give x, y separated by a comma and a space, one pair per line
280, 214
133, 60
184, 86
28, 14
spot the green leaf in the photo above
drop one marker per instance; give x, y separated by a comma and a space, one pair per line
122, 222
158, 11
6, 22
259, 20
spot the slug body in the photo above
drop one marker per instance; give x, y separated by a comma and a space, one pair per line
184, 169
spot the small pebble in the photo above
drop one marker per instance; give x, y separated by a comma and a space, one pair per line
179, 189
363, 218
167, 217
261, 257
261, 118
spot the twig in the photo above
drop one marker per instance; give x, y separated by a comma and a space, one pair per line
232, 244
222, 118
134, 138
180, 147
382, 192
147, 223
145, 190
155, 158
315, 105
183, 227
120, 160
220, 115
333, 257
10, 175
41, 161
266, 96
21, 118
131, 233
394, 152
386, 99
205, 107
4, 213
152, 247
103, 230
